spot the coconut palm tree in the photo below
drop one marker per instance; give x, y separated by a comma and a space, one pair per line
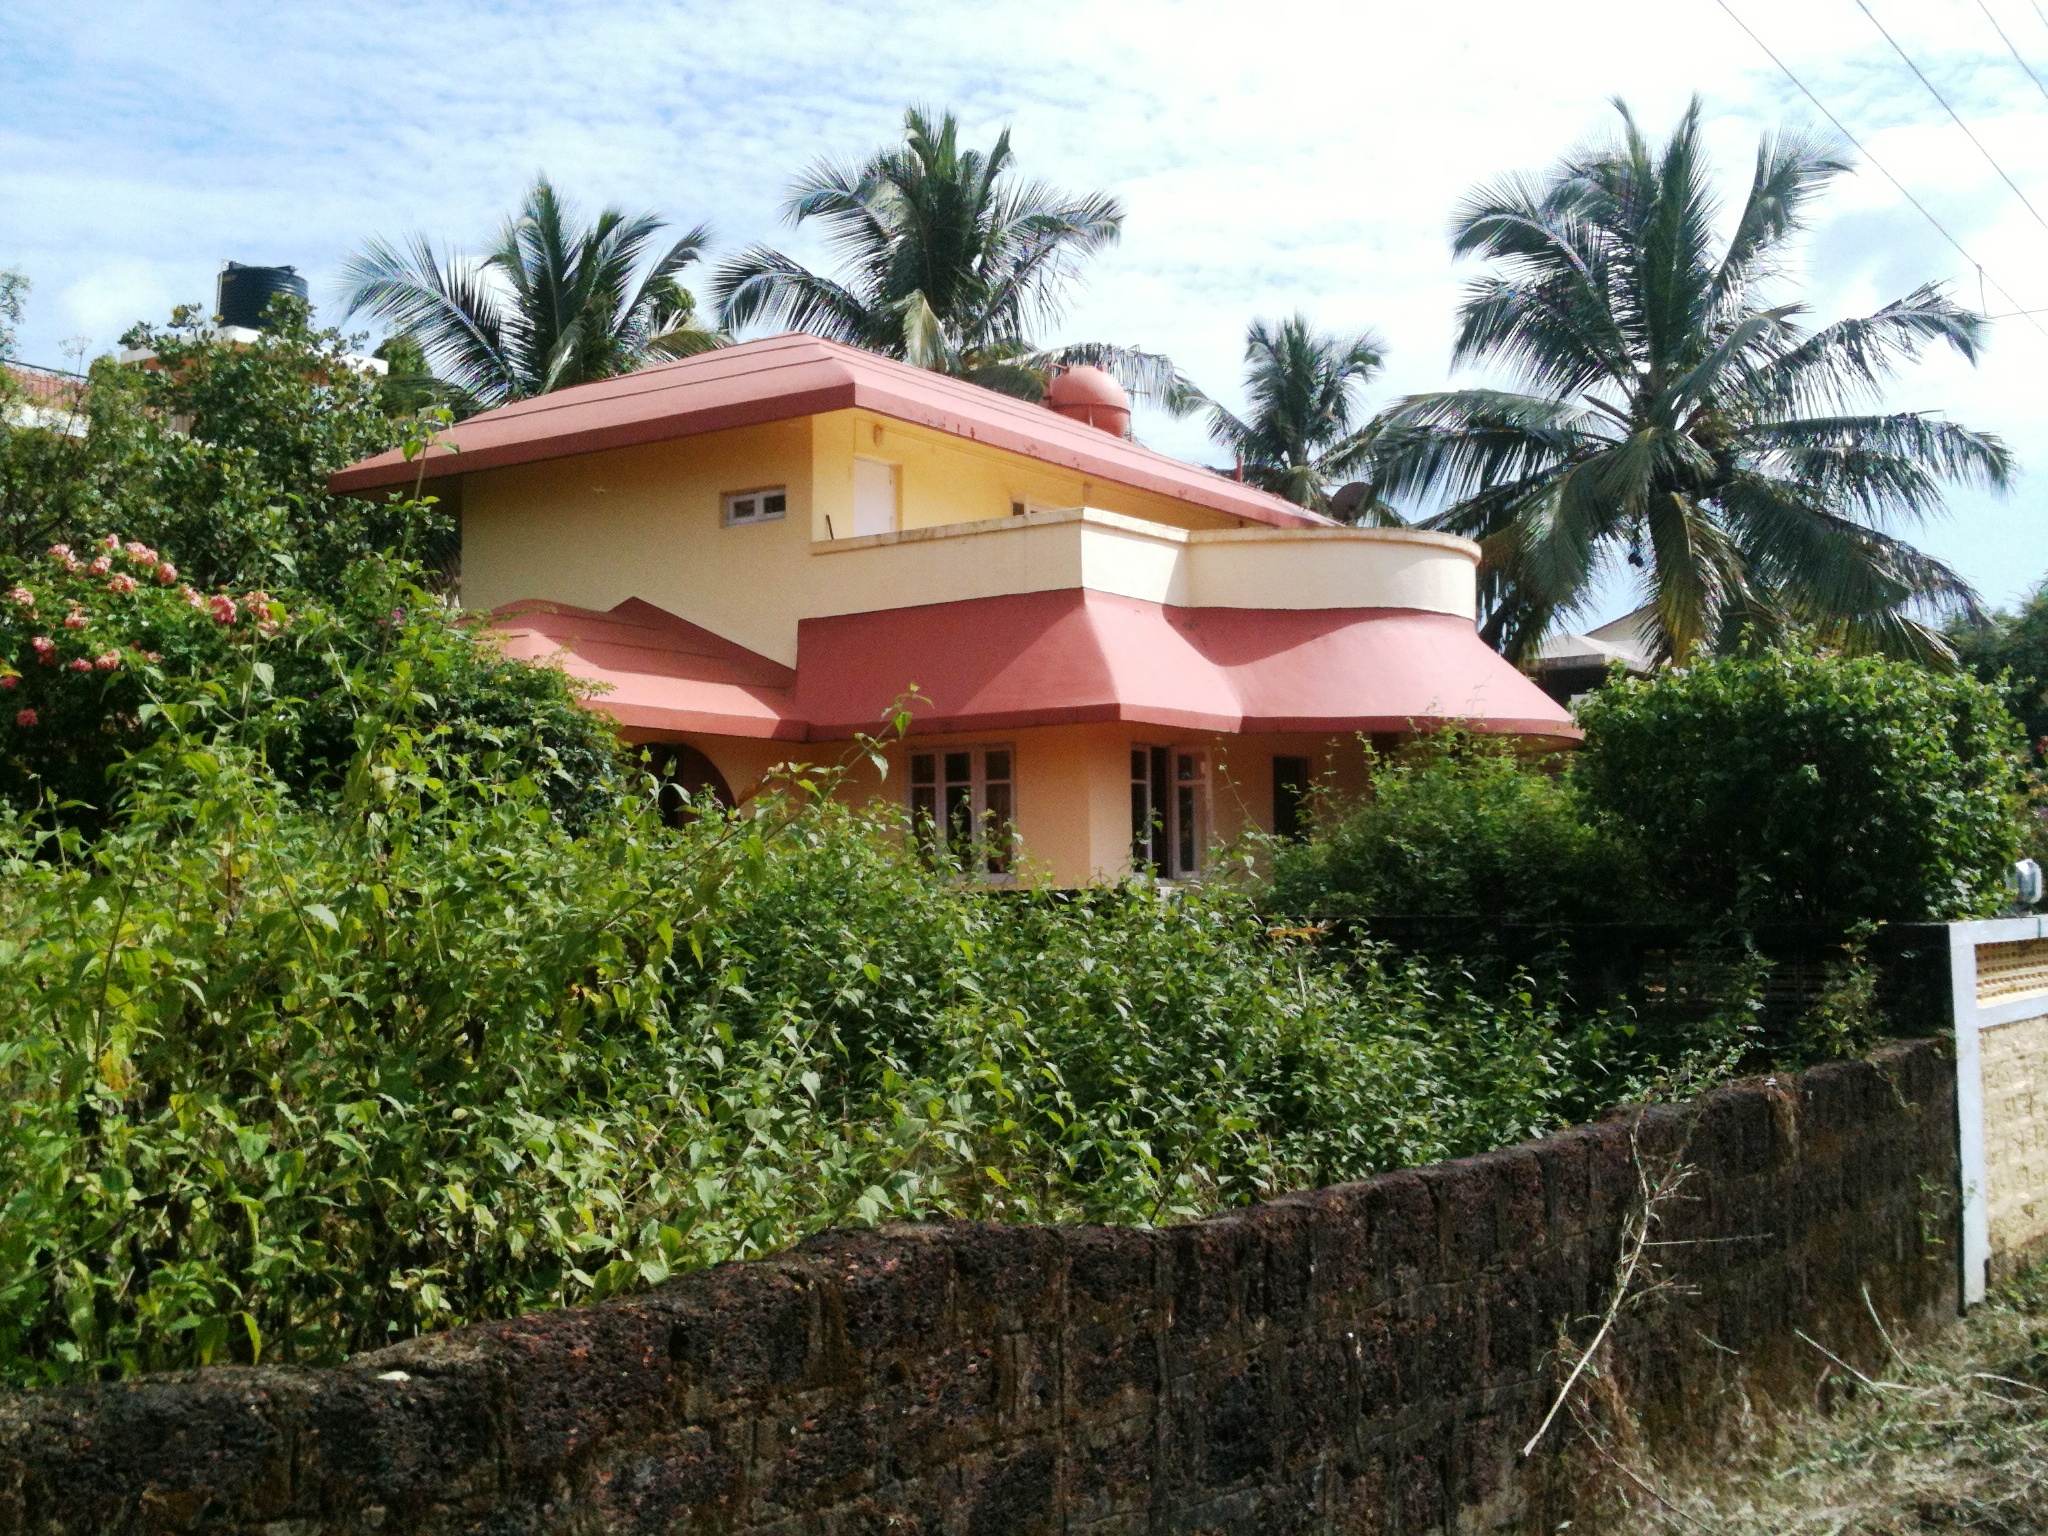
548, 305
1673, 413
1306, 430
949, 262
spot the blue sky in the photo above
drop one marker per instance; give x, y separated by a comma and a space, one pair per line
1270, 158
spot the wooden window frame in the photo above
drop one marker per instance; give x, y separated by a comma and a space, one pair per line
977, 807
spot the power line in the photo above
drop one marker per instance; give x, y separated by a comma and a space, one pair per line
2040, 15
2009, 48
1843, 129
1988, 160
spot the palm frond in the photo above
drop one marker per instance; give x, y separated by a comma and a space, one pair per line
760, 284
448, 306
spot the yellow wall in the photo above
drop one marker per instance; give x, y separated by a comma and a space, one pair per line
947, 479
646, 522
1073, 807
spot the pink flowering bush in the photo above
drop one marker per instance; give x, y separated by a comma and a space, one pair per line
91, 641
89, 656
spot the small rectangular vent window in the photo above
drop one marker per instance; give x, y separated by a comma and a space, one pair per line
766, 505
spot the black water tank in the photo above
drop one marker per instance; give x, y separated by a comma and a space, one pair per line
244, 291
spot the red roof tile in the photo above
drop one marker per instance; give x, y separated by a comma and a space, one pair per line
785, 377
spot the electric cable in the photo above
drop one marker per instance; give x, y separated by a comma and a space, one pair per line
2017, 58
1843, 129
1936, 94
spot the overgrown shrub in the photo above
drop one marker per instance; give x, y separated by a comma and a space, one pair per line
221, 452
285, 1083
93, 641
1798, 787
1458, 826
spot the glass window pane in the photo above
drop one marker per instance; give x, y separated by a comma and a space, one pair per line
1137, 763
959, 818
996, 828
959, 767
1186, 767
1187, 829
995, 765
773, 504
923, 768
1290, 796
924, 806
1141, 825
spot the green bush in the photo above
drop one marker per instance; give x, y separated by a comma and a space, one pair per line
1461, 826
93, 641
1794, 787
221, 452
287, 1082
2010, 652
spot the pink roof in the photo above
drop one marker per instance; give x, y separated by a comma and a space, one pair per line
656, 671
1048, 658
784, 377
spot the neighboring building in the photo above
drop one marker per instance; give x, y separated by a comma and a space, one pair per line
50, 398
1568, 667
1118, 657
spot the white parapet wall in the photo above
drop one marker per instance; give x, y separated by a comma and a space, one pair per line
1999, 977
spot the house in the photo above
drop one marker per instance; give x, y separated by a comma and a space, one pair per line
49, 399
1568, 667
1117, 658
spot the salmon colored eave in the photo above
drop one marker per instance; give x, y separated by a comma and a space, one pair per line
1043, 659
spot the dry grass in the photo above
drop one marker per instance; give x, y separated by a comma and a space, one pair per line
1951, 1436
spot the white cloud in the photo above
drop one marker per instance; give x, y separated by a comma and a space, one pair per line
1289, 155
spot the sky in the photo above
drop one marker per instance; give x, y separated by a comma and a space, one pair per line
1271, 158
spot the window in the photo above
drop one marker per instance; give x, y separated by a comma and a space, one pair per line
1169, 811
1291, 784
875, 485
966, 797
765, 505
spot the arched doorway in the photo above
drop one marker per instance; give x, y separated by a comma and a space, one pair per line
683, 773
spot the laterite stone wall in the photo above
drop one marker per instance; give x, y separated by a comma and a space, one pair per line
1364, 1358
2014, 1061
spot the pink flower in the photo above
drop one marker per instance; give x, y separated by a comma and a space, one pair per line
99, 567
152, 657
123, 585
43, 646
139, 552
192, 598
74, 620
60, 551
72, 563
106, 661
23, 596
24, 717
110, 543
223, 608
78, 664
11, 681
166, 574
